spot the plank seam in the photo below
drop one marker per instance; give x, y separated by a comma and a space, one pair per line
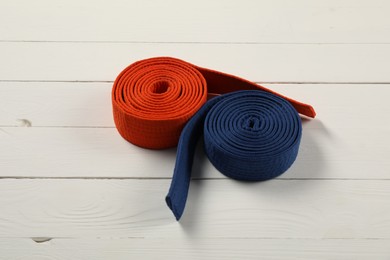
169, 178
257, 82
194, 42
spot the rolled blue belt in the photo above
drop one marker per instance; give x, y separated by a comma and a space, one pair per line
249, 135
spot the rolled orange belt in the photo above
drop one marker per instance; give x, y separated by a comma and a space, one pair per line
154, 98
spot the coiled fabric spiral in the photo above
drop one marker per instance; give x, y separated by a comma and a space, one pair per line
250, 132
248, 135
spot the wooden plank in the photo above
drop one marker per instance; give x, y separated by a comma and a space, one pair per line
56, 104
71, 104
25, 61
101, 152
346, 21
71, 187
340, 143
72, 152
187, 248
288, 209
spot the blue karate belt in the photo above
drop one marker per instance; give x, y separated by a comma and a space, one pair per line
249, 135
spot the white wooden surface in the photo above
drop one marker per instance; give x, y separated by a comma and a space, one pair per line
72, 188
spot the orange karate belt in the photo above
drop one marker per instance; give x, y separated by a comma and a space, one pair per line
154, 98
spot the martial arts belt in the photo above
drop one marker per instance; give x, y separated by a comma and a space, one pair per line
250, 132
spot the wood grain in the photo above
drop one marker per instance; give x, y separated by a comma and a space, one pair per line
75, 104
72, 135
189, 248
315, 209
48, 61
282, 21
101, 152
72, 188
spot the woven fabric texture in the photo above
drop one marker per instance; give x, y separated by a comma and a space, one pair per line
250, 132
248, 135
154, 98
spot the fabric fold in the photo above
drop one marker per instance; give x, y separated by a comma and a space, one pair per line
154, 98
250, 132
248, 135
